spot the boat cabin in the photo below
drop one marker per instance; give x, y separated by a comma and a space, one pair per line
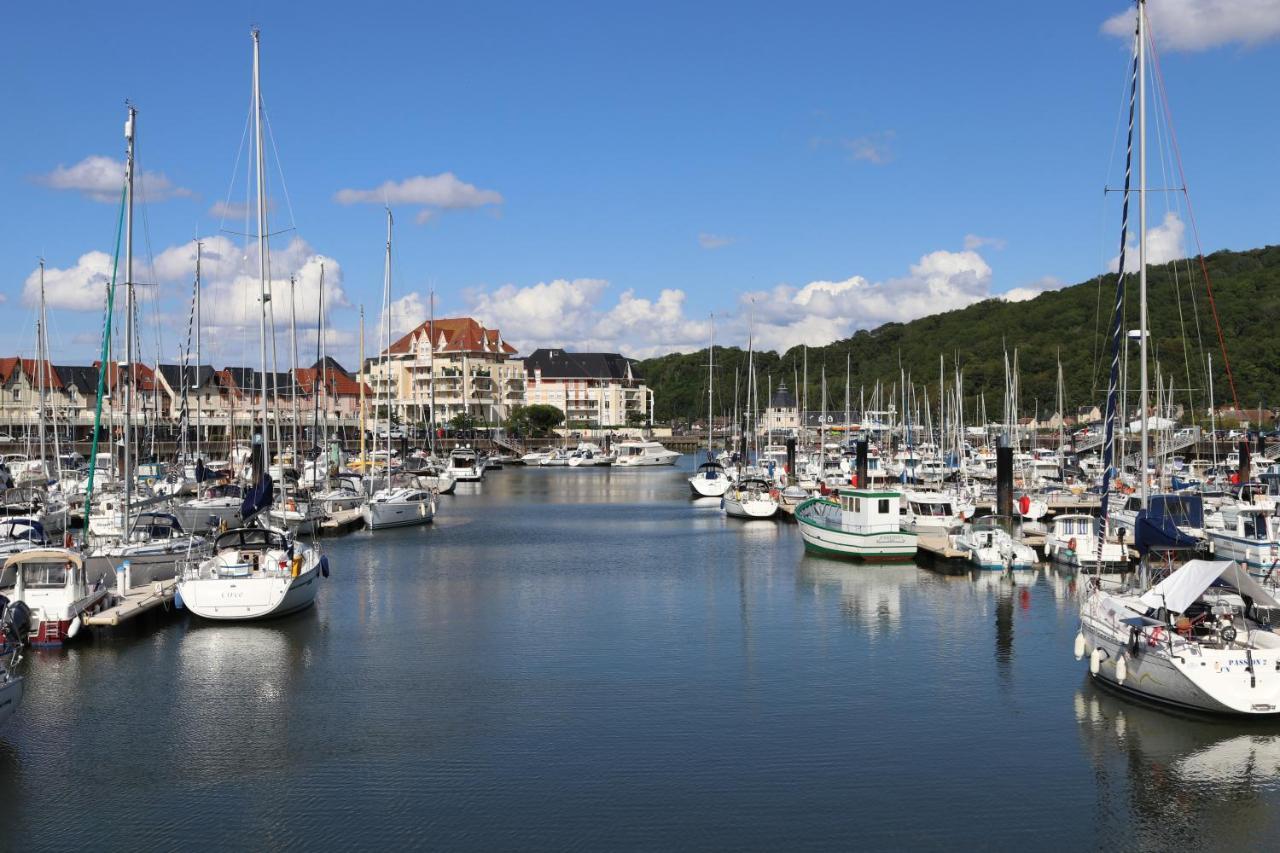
155, 526
870, 511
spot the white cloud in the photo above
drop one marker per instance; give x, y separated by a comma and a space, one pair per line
407, 312
874, 148
433, 193
714, 241
1031, 290
1203, 24
545, 314
102, 179
973, 241
82, 287
1164, 244
234, 210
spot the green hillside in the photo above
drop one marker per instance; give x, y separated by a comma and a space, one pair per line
1073, 320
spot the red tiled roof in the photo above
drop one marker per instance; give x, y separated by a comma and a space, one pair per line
29, 367
146, 377
338, 384
461, 334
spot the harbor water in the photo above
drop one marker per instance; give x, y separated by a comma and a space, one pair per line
587, 659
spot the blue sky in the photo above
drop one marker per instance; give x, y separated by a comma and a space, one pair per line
619, 172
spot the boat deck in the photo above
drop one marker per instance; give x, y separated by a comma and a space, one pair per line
342, 522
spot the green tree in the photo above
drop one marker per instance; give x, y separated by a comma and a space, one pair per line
535, 420
462, 421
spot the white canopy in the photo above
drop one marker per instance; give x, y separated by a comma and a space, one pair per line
1180, 590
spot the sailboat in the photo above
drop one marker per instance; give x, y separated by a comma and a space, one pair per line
711, 480
1201, 637
397, 504
751, 496
256, 571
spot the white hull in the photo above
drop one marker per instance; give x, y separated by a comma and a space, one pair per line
381, 515
817, 528
11, 691
764, 507
706, 488
241, 599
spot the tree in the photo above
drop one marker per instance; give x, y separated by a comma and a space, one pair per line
636, 419
462, 422
535, 420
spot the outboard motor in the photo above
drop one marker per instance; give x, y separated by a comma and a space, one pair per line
15, 622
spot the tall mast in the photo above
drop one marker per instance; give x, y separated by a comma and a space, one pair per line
199, 248
386, 323
711, 379
1142, 239
41, 356
431, 374
293, 367
323, 376
130, 130
264, 296
363, 372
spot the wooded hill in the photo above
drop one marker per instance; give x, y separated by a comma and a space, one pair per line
1073, 321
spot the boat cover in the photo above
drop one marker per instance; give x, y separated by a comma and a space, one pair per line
1181, 589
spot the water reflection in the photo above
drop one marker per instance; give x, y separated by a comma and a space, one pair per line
871, 594
1189, 782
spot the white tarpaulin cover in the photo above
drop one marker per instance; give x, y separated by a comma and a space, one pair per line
1180, 590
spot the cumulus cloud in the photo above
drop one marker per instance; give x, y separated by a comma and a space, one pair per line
873, 148
102, 178
1164, 244
82, 287
1203, 24
433, 193
714, 241
1031, 290
407, 313
973, 241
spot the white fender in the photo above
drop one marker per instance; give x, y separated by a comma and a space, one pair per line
1080, 646
1095, 662
73, 628
1122, 670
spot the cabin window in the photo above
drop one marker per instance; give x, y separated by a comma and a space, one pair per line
884, 506
1251, 527
857, 504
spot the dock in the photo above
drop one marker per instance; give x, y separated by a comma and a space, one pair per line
342, 521
135, 602
939, 545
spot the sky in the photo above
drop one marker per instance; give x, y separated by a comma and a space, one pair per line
609, 176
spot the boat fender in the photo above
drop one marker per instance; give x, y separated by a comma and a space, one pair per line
297, 566
1095, 661
74, 627
324, 565
1122, 670
1080, 645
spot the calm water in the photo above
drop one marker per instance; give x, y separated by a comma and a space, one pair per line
589, 660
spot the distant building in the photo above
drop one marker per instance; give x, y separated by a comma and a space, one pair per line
597, 389
458, 363
782, 414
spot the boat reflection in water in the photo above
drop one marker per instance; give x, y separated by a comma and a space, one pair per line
871, 594
1191, 781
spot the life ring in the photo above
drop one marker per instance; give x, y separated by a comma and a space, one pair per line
1071, 546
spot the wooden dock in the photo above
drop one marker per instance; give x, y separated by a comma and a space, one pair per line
342, 522
135, 602
938, 545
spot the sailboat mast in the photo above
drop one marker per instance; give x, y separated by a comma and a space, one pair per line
199, 249
1142, 241
293, 367
42, 356
711, 379
363, 372
386, 322
262, 248
431, 388
130, 130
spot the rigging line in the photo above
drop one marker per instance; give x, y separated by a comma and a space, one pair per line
1191, 215
284, 187
235, 168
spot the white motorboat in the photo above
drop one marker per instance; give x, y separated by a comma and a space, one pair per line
1073, 541
534, 458
555, 458
711, 480
52, 583
399, 507
339, 494
19, 534
1251, 536
465, 466
987, 545
254, 573
1200, 639
219, 505
638, 454
589, 455
934, 512
861, 524
750, 497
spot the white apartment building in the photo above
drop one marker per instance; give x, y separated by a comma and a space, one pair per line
593, 389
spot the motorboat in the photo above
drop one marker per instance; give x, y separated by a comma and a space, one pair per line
589, 455
1072, 541
399, 506
711, 480
750, 497
1199, 639
534, 457
639, 454
342, 493
217, 506
555, 458
934, 512
254, 573
1180, 514
987, 545
19, 534
860, 524
1251, 536
53, 584
465, 466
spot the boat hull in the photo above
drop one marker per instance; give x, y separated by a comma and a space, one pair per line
749, 508
705, 488
11, 691
380, 516
252, 598
830, 541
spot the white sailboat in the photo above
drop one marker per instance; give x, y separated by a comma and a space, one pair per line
711, 480
255, 572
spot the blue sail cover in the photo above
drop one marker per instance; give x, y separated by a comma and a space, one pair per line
1157, 526
257, 498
